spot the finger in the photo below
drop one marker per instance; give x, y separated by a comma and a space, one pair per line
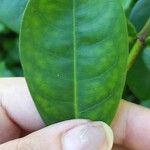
131, 126
17, 102
17, 110
69, 135
8, 129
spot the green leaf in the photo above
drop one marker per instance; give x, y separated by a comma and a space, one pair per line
12, 58
139, 76
12, 51
128, 5
140, 14
128, 95
74, 56
131, 29
4, 72
146, 57
132, 33
11, 13
2, 27
146, 103
148, 41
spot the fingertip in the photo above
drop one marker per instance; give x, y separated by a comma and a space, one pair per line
92, 135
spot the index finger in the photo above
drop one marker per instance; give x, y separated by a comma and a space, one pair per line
17, 102
131, 126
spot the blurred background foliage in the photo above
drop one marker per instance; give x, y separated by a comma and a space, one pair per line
137, 87
9, 53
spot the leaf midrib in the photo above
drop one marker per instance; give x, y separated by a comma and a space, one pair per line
75, 61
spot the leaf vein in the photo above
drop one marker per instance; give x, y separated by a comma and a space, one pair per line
75, 61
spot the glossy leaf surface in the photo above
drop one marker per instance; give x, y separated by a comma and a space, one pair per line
74, 56
139, 76
140, 13
11, 12
132, 33
128, 5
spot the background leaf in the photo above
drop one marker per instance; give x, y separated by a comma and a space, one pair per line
146, 103
128, 5
9, 53
11, 12
2, 27
140, 13
139, 76
132, 33
4, 72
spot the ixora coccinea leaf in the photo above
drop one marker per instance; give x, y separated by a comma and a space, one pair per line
74, 56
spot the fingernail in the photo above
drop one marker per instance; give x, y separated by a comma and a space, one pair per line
90, 136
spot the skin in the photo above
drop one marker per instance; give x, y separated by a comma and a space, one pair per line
21, 127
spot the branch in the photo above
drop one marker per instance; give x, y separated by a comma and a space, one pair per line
139, 44
134, 53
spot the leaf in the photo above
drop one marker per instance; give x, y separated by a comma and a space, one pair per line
74, 57
132, 33
12, 58
131, 29
140, 14
139, 76
128, 5
11, 46
2, 27
148, 41
146, 57
146, 103
4, 72
11, 12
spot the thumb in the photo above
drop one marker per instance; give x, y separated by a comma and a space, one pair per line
68, 135
89, 136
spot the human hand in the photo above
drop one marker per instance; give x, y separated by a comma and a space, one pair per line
19, 118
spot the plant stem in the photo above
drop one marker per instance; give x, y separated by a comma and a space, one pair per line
145, 30
139, 44
134, 53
